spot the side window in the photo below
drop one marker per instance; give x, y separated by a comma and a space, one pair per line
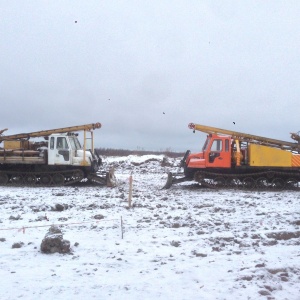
61, 143
216, 145
52, 142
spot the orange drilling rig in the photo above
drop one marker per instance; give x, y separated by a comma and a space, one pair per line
236, 159
57, 160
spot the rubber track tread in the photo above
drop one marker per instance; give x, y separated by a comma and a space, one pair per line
70, 177
202, 177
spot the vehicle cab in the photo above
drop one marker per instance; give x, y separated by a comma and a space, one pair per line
216, 153
65, 149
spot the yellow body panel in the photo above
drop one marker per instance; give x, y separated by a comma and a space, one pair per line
15, 144
264, 156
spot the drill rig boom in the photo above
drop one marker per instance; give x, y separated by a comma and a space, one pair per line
245, 137
44, 133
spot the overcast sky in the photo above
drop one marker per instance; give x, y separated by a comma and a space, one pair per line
145, 69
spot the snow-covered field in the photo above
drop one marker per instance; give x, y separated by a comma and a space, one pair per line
183, 243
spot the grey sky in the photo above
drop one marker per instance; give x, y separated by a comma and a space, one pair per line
207, 62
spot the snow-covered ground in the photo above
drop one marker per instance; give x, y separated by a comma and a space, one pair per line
183, 243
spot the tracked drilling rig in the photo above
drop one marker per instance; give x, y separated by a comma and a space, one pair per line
57, 160
235, 159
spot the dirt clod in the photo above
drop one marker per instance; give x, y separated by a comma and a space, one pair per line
54, 242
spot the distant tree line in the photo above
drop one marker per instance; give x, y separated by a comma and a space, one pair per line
139, 152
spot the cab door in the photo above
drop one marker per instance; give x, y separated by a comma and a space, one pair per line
218, 154
59, 152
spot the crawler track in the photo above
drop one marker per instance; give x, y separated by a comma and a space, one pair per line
259, 180
279, 180
55, 178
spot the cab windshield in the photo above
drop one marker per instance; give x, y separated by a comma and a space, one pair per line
75, 145
205, 144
